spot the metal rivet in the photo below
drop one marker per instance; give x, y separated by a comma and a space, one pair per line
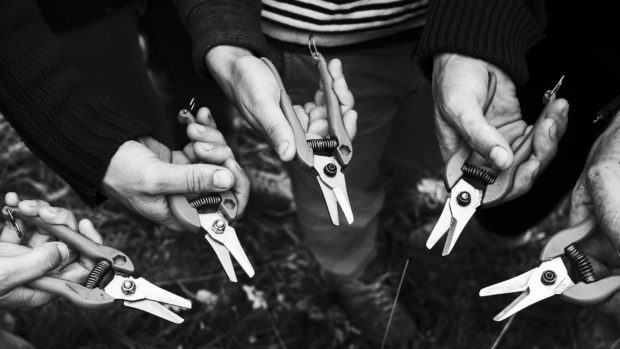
128, 287
330, 170
464, 198
218, 226
548, 277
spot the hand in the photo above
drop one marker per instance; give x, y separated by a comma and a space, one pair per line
313, 116
143, 173
596, 193
460, 86
252, 87
40, 255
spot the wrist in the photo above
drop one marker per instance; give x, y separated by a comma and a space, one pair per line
220, 59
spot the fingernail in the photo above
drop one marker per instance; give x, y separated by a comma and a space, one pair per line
283, 147
64, 251
222, 179
499, 156
553, 131
199, 128
206, 146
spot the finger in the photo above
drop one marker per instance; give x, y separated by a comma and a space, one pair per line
513, 132
242, 184
35, 263
212, 153
344, 94
76, 272
25, 297
448, 138
302, 115
58, 216
205, 118
179, 158
87, 229
319, 98
549, 131
200, 133
580, 203
525, 176
188, 151
602, 182
269, 115
31, 207
318, 129
9, 234
350, 122
195, 178
11, 199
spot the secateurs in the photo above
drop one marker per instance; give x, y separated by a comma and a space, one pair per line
325, 158
211, 214
110, 280
552, 276
474, 183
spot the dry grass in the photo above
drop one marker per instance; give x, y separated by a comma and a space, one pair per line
298, 310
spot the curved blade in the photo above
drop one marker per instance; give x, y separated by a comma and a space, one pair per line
516, 284
461, 213
441, 227
155, 309
337, 185
345, 205
143, 290
223, 255
230, 240
330, 201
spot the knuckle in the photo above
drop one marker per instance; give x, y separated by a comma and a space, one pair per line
195, 179
599, 170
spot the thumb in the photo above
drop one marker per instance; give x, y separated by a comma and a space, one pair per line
35, 263
483, 138
193, 178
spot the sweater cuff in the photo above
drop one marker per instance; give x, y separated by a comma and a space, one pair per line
222, 22
498, 32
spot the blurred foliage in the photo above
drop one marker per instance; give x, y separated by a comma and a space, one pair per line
286, 305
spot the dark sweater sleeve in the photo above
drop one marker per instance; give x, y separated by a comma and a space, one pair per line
497, 31
222, 22
73, 130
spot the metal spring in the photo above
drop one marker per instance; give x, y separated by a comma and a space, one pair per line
98, 273
206, 201
581, 262
483, 175
322, 145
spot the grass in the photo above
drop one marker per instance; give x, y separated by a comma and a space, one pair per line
286, 305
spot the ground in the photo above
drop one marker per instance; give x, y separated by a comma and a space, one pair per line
286, 305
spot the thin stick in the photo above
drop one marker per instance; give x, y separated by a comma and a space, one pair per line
400, 285
501, 334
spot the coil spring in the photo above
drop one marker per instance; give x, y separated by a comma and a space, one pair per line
581, 262
479, 173
98, 273
206, 201
322, 145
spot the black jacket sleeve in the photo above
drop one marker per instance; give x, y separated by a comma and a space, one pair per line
222, 22
72, 129
497, 31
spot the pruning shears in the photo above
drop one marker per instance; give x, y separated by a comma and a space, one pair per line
325, 158
473, 182
110, 280
212, 215
552, 276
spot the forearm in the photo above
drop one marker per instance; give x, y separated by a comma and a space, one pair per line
51, 106
222, 22
499, 32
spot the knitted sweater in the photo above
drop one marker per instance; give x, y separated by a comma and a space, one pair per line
51, 106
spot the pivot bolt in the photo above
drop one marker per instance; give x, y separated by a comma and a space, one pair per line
548, 277
464, 198
330, 170
128, 287
218, 226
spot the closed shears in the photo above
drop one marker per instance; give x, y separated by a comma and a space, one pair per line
325, 158
473, 182
110, 280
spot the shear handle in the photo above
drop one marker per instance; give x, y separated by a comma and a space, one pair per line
592, 293
464, 154
304, 153
344, 151
120, 261
556, 245
91, 298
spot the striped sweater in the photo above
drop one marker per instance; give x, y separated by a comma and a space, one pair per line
339, 22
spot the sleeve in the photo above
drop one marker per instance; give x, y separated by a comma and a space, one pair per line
73, 130
499, 32
222, 22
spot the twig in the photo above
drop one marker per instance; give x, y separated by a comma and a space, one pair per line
501, 334
276, 331
400, 284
